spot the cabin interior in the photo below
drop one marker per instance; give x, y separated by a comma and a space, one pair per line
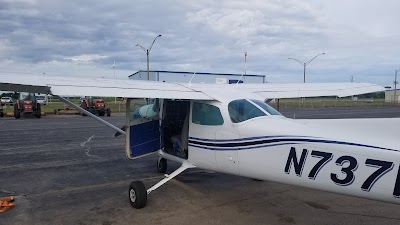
175, 127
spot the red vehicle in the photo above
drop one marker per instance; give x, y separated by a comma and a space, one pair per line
95, 106
27, 105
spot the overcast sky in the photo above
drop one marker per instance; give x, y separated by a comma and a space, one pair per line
361, 38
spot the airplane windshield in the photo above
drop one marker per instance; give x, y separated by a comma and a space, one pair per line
266, 107
242, 110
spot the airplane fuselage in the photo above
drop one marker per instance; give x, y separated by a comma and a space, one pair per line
283, 150
246, 137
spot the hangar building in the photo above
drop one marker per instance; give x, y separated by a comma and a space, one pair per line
199, 77
390, 96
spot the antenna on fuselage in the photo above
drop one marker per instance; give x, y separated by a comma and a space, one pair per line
244, 69
190, 82
237, 83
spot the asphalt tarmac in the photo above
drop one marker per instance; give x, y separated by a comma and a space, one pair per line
69, 170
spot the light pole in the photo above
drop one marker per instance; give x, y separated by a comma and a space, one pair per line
147, 51
304, 64
395, 87
113, 67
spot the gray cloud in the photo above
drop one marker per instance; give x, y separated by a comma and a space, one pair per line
360, 39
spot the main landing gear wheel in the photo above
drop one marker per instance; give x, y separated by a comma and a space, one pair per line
137, 194
161, 165
108, 111
17, 113
38, 112
83, 106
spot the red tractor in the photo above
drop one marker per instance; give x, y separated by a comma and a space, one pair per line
27, 105
95, 106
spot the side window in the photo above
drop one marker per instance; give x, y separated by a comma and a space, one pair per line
205, 114
242, 110
142, 108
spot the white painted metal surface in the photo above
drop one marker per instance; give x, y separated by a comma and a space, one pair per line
358, 157
297, 90
185, 165
74, 86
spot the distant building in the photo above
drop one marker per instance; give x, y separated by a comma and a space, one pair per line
389, 96
199, 77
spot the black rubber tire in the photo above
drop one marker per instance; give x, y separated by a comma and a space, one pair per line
17, 113
108, 112
91, 104
38, 112
83, 106
162, 165
102, 113
137, 194
1, 113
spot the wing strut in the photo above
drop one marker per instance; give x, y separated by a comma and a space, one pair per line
66, 101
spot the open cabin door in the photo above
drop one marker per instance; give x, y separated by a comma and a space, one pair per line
143, 127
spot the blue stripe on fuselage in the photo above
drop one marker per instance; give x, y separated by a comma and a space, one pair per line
267, 141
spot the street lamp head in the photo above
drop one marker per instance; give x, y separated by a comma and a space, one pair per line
154, 41
304, 64
141, 47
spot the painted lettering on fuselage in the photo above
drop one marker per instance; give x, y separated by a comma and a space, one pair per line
348, 165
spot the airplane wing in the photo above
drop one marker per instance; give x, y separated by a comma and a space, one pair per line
299, 90
77, 86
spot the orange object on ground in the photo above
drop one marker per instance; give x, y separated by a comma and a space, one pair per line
5, 204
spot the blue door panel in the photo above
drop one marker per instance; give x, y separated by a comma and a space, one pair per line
144, 138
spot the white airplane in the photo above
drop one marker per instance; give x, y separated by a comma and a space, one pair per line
230, 129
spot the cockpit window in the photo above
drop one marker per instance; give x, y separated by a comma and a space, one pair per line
266, 107
242, 110
205, 114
